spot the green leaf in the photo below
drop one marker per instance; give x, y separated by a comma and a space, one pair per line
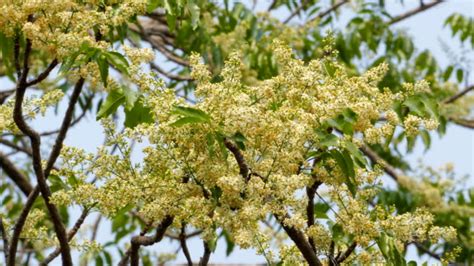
459, 75
99, 261
337, 231
114, 99
194, 10
431, 106
117, 60
336, 155
415, 105
131, 97
349, 163
356, 153
103, 68
229, 242
108, 258
329, 140
139, 114
320, 210
240, 140
425, 136
347, 166
187, 120
191, 112
447, 72
152, 5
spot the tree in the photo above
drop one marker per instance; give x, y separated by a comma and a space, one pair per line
269, 134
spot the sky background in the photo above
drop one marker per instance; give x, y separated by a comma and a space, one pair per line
457, 146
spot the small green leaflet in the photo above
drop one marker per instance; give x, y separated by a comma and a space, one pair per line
103, 68
139, 114
190, 116
114, 99
344, 161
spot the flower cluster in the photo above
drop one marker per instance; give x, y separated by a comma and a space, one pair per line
192, 171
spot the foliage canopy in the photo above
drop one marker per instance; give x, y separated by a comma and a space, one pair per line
273, 134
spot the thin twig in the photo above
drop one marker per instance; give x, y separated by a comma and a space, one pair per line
44, 74
426, 250
347, 253
16, 147
413, 12
168, 74
95, 227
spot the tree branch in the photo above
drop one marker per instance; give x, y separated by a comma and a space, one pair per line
459, 95
126, 257
138, 241
44, 74
40, 175
426, 250
239, 157
464, 123
301, 242
347, 253
15, 175
413, 12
